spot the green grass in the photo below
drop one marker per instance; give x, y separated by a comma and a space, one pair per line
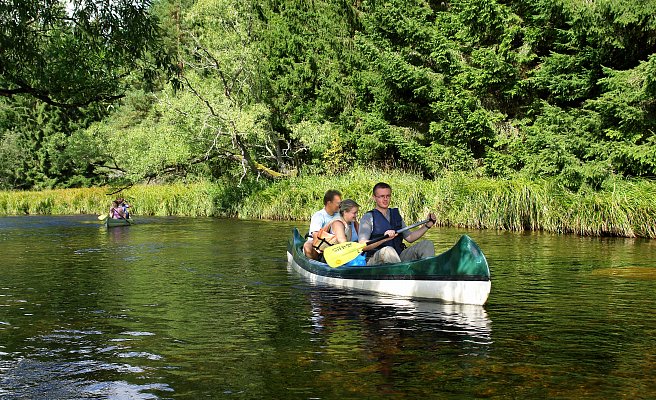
59, 201
176, 199
627, 209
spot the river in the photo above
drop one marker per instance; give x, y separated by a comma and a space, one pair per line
188, 308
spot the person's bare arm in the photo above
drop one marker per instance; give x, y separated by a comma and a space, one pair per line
391, 234
416, 234
339, 231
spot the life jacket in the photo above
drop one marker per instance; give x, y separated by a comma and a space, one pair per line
381, 225
323, 238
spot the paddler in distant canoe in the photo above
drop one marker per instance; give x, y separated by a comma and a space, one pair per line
385, 221
124, 206
115, 211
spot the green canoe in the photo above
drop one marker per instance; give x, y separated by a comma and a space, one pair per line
459, 275
112, 222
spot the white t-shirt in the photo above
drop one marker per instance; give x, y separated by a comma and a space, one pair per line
319, 219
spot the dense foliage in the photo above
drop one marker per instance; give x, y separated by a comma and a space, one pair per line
560, 89
73, 53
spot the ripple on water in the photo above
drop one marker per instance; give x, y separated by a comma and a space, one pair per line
135, 333
87, 251
140, 354
29, 379
124, 390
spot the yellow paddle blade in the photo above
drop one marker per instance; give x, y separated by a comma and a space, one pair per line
342, 253
102, 217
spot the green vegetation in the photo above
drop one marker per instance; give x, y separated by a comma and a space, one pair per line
629, 209
195, 199
71, 54
542, 112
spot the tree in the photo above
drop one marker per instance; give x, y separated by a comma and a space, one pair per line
39, 147
214, 125
307, 51
73, 53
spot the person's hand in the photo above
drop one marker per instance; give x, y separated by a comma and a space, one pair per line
390, 233
432, 221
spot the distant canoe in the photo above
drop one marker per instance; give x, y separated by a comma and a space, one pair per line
459, 275
112, 222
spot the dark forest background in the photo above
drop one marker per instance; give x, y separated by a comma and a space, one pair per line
132, 91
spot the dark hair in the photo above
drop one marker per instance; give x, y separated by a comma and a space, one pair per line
347, 205
330, 195
381, 185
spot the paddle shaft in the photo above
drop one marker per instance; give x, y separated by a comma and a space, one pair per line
399, 231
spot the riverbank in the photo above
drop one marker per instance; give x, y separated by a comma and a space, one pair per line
628, 210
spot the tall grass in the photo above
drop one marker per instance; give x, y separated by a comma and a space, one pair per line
627, 209
198, 199
298, 198
59, 201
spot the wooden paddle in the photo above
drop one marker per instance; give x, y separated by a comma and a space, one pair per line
342, 253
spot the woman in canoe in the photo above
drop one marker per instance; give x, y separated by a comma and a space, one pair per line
342, 228
343, 225
116, 211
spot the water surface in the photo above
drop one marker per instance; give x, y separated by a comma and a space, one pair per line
182, 308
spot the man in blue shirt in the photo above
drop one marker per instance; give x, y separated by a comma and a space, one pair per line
385, 221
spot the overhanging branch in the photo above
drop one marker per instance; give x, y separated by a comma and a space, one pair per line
46, 98
254, 166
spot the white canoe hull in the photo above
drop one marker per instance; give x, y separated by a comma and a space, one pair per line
454, 291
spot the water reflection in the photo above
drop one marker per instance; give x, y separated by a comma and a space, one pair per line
118, 234
205, 308
455, 322
373, 346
